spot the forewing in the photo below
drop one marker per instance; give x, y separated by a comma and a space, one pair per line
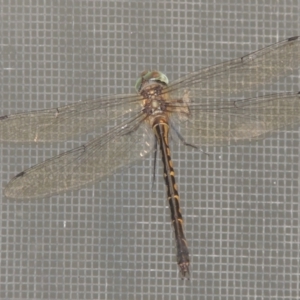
59, 124
238, 75
231, 122
122, 145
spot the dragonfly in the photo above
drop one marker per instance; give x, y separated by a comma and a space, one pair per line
199, 109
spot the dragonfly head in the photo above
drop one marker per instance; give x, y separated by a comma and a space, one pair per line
148, 77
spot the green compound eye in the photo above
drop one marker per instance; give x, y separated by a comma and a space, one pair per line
150, 76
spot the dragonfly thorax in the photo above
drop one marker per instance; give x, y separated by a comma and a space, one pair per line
150, 86
154, 101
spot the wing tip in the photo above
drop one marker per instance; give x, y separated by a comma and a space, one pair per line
3, 117
293, 38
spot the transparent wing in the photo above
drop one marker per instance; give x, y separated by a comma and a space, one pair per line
61, 123
125, 143
205, 115
227, 122
238, 75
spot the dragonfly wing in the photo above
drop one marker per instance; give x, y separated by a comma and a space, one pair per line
59, 124
231, 122
238, 75
91, 162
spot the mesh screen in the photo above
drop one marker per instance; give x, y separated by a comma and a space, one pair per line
113, 239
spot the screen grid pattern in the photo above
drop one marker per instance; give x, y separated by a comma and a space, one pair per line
113, 239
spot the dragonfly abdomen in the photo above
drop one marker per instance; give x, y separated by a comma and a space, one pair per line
161, 130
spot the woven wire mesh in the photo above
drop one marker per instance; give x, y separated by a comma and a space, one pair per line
113, 239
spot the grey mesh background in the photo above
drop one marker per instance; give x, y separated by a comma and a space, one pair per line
113, 240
